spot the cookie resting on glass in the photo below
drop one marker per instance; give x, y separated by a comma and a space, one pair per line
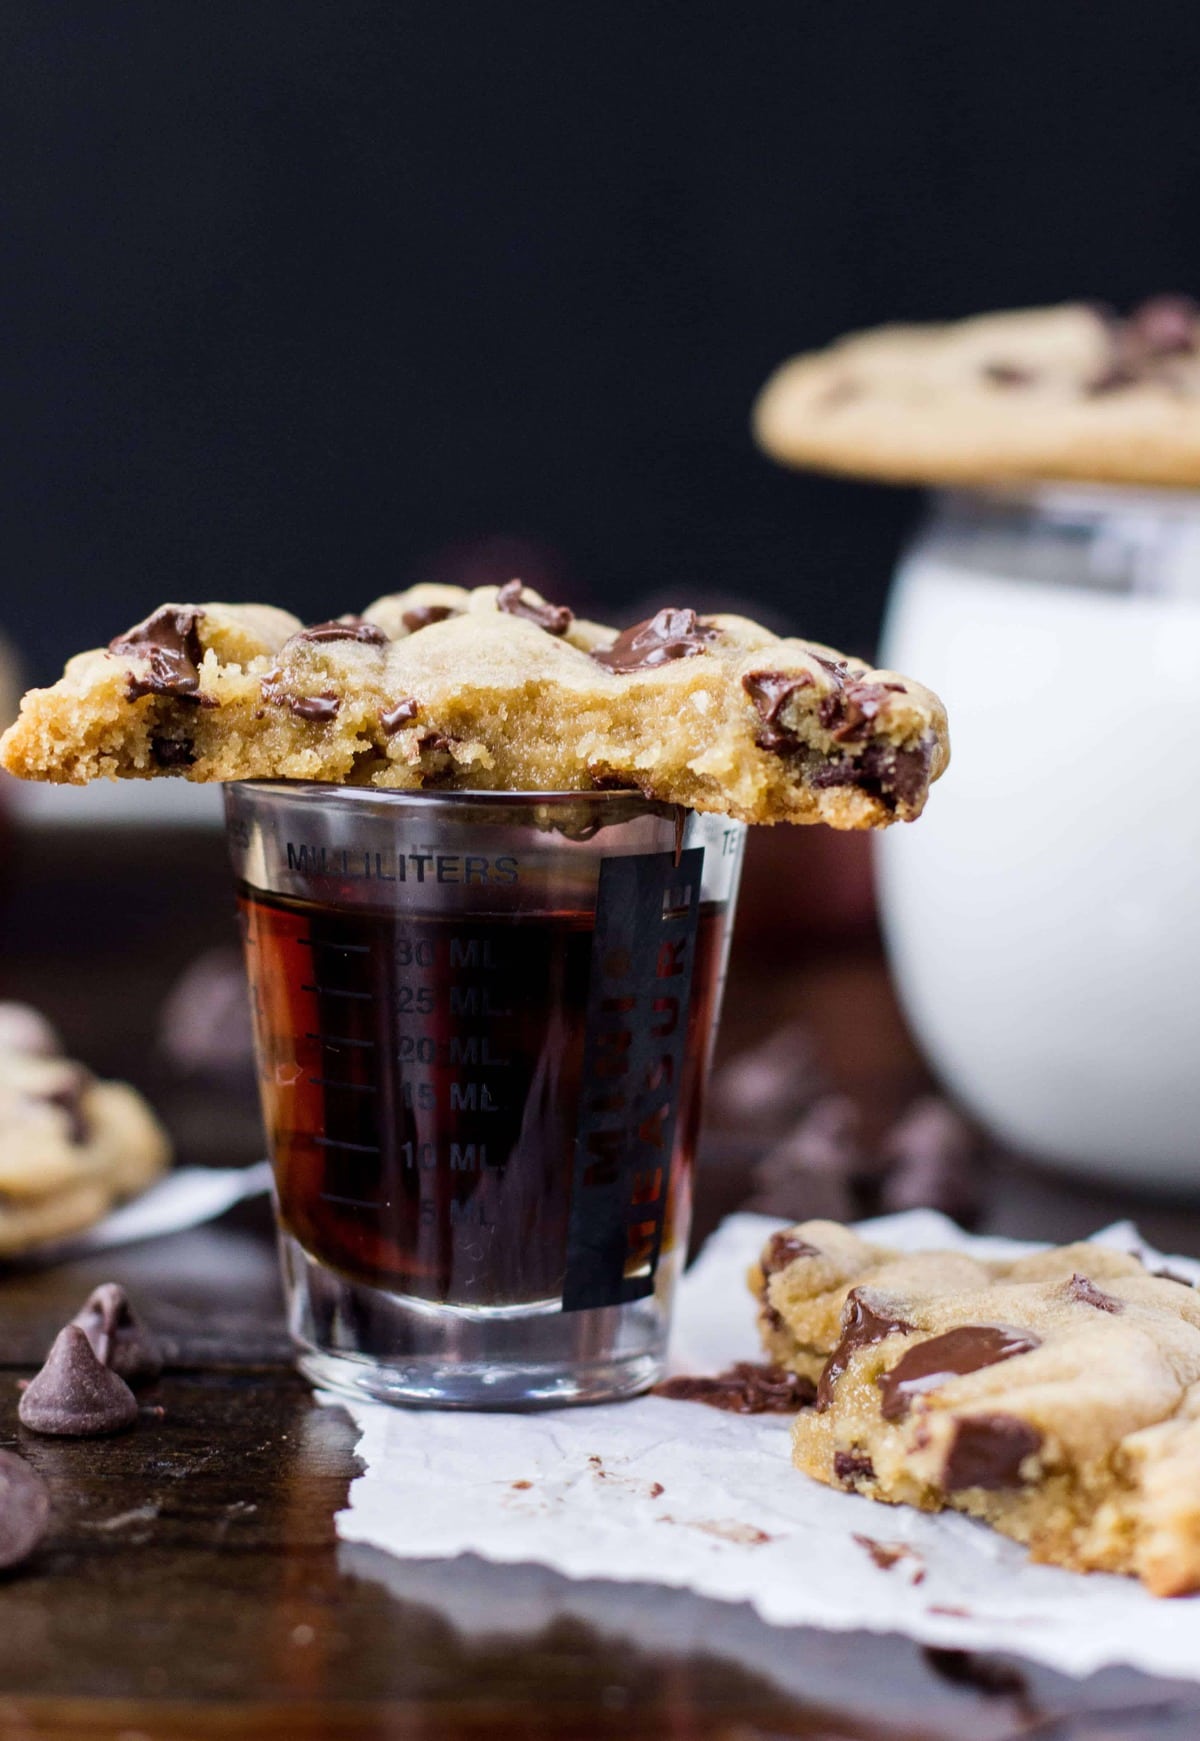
493, 689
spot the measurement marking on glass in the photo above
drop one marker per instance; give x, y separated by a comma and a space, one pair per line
337, 1082
339, 1040
330, 1142
326, 943
352, 1202
333, 991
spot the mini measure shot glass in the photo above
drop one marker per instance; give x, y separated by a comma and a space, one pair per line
484, 1023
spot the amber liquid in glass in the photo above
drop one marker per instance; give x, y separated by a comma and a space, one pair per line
421, 1081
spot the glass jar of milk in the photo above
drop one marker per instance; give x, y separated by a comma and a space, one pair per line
1044, 917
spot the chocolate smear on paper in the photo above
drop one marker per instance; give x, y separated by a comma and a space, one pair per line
747, 1388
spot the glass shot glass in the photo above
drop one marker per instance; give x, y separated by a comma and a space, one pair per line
483, 1024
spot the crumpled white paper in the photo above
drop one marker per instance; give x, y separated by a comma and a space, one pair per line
185, 1198
677, 1494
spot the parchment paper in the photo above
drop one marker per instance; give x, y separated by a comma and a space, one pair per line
677, 1494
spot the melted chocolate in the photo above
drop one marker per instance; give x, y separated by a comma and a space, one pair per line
988, 1451
392, 718
24, 1509
346, 628
783, 1249
74, 1396
167, 645
746, 1389
68, 1097
172, 752
770, 692
951, 1355
853, 1466
1088, 1294
555, 619
848, 713
862, 1325
424, 616
668, 635
883, 771
319, 708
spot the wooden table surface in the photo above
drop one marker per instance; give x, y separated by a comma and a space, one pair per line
193, 1586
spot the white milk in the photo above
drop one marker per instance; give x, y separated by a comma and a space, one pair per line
1044, 914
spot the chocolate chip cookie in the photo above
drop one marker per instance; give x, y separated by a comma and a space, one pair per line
70, 1146
1066, 392
493, 689
1057, 1397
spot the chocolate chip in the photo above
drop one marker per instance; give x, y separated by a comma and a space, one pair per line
1088, 1294
347, 628
1143, 347
1008, 375
555, 619
934, 1362
318, 708
863, 1324
68, 1096
392, 718
849, 713
168, 647
852, 1466
811, 1174
761, 1092
885, 771
931, 1157
424, 616
747, 1388
1165, 326
172, 752
74, 1396
770, 691
987, 1451
840, 392
206, 1020
671, 634
24, 1509
118, 1338
783, 1249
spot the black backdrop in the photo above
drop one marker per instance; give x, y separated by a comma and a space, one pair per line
305, 299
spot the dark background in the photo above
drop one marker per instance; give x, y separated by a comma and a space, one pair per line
304, 300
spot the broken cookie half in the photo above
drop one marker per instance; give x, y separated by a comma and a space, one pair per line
493, 689
1057, 1396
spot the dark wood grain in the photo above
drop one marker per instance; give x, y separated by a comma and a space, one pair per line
193, 1586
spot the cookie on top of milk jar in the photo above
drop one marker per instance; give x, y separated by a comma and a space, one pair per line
1044, 924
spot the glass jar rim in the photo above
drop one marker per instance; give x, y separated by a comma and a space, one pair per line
1082, 497
329, 790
